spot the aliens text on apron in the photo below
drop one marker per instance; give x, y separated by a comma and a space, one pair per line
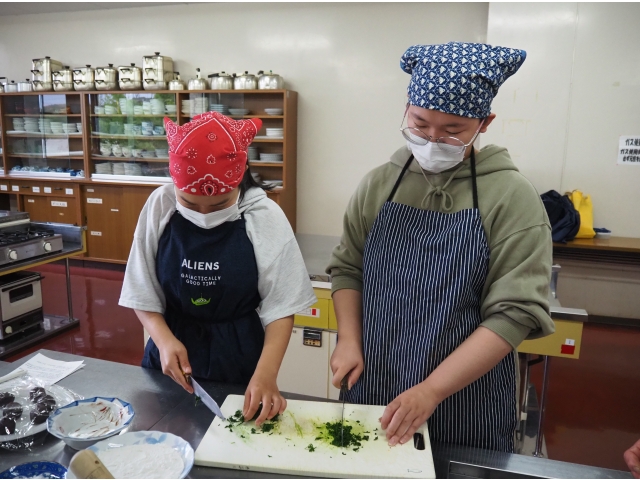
423, 273
210, 281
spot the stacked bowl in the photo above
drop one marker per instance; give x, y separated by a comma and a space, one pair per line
157, 106
186, 107
44, 124
275, 132
273, 111
56, 128
110, 110
18, 124
132, 169
31, 125
239, 112
271, 157
69, 128
118, 168
104, 168
252, 154
220, 108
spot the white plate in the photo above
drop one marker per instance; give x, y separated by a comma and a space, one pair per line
147, 438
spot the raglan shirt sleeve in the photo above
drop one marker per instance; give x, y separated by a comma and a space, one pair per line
516, 296
141, 289
283, 280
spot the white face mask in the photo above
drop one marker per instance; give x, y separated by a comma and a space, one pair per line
436, 158
209, 220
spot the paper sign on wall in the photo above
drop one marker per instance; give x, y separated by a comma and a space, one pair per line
629, 151
310, 312
68, 191
4, 188
35, 189
569, 347
15, 188
31, 200
58, 204
47, 189
96, 234
94, 200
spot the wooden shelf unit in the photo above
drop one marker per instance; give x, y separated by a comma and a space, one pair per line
113, 220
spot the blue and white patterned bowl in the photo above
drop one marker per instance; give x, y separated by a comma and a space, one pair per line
80, 415
148, 438
36, 470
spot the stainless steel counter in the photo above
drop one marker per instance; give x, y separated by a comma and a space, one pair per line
162, 405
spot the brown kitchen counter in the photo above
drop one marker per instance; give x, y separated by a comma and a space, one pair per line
612, 249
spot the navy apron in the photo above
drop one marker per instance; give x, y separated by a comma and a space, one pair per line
210, 281
423, 275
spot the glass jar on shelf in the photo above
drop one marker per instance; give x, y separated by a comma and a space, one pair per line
128, 140
44, 135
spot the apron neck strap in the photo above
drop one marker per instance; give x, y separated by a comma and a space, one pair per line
473, 178
404, 169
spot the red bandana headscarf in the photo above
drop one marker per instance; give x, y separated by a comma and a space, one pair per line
208, 155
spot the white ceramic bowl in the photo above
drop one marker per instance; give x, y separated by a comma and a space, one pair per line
273, 111
85, 422
147, 438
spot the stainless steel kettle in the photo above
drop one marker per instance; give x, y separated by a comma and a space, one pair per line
197, 83
246, 81
270, 81
176, 83
221, 81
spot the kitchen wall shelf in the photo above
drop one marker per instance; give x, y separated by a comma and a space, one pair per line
122, 197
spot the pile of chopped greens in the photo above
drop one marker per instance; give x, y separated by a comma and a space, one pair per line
269, 426
332, 433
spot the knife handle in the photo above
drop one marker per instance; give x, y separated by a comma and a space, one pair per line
344, 384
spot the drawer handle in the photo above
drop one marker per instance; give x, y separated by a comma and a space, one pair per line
58, 188
24, 187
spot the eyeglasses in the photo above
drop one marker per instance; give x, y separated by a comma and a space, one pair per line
448, 144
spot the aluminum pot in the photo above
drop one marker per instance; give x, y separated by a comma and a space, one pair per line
270, 81
60, 86
157, 67
79, 85
176, 83
131, 73
221, 81
104, 85
39, 86
106, 74
151, 84
197, 83
25, 86
128, 84
63, 76
84, 74
246, 81
11, 87
43, 68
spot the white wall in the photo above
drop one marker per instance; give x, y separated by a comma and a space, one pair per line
561, 115
343, 59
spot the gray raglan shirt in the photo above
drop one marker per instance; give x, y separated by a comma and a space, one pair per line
283, 280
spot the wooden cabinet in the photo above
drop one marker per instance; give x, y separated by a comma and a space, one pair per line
104, 220
62, 209
37, 207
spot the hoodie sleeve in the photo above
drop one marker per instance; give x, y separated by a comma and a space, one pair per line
516, 294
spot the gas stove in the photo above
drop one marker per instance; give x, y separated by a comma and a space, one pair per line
20, 239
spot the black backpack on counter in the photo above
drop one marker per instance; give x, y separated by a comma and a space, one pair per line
564, 218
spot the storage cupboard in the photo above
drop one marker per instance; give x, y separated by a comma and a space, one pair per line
93, 158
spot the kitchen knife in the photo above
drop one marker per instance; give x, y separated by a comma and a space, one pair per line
205, 397
344, 387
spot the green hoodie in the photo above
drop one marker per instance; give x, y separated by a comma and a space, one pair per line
515, 298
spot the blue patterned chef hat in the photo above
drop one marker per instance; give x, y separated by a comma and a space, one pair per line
458, 78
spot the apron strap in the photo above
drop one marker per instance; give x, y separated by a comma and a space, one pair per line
473, 178
404, 169
474, 186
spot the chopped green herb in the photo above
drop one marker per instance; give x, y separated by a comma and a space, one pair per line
268, 426
311, 448
342, 438
253, 431
356, 449
242, 436
269, 456
375, 439
365, 438
343, 453
318, 438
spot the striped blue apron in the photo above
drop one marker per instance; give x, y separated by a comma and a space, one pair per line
423, 276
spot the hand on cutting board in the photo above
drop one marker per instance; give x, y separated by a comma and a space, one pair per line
263, 389
347, 358
632, 457
175, 361
408, 412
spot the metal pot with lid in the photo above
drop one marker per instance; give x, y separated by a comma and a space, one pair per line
11, 87
43, 68
176, 83
157, 67
60, 86
270, 81
246, 81
197, 83
107, 74
221, 81
130, 77
39, 86
25, 86
85, 75
63, 76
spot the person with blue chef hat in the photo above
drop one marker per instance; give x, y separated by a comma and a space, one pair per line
444, 264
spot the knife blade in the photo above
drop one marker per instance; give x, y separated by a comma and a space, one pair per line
209, 402
344, 387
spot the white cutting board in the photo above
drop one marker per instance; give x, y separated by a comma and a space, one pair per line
286, 450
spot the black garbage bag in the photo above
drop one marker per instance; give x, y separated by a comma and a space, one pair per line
564, 218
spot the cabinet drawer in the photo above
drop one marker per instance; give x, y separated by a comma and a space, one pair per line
63, 209
316, 316
37, 208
